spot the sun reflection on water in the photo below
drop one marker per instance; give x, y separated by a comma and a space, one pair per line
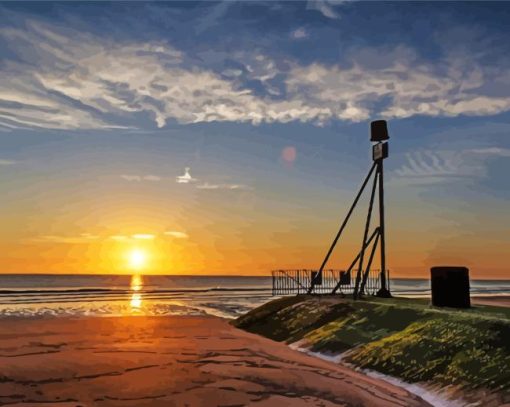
136, 296
136, 282
136, 301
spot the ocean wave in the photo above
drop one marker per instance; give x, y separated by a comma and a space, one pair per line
228, 297
127, 290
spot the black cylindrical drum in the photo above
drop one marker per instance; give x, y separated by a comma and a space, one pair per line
450, 286
379, 131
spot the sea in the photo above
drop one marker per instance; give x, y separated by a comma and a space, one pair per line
41, 295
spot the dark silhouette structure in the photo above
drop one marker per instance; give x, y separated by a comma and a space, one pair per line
379, 131
450, 286
378, 135
294, 281
342, 282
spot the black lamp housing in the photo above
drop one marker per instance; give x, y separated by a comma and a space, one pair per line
378, 131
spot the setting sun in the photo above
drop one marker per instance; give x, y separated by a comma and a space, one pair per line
137, 259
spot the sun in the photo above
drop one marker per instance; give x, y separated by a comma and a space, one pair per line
137, 259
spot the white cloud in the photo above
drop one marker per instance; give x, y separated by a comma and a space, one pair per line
74, 80
130, 178
238, 186
232, 73
176, 234
186, 178
152, 178
223, 186
139, 178
25, 104
73, 66
432, 167
491, 151
299, 33
208, 186
325, 7
7, 162
350, 93
82, 238
149, 236
136, 236
212, 16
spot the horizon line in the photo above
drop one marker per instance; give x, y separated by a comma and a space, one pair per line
207, 275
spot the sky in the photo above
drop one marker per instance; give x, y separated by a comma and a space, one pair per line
231, 137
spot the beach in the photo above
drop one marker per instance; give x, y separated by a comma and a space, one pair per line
170, 361
494, 300
105, 341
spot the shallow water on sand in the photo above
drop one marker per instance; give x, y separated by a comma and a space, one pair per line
224, 296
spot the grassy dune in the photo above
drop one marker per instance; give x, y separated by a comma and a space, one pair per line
405, 338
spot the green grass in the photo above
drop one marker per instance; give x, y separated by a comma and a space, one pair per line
405, 338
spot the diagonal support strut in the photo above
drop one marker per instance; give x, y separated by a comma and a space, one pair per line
342, 227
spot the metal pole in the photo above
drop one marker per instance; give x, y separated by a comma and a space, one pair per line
365, 234
312, 283
272, 290
374, 233
383, 291
367, 271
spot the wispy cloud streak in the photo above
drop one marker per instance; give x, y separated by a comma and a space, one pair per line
140, 178
76, 80
7, 162
223, 186
432, 167
176, 234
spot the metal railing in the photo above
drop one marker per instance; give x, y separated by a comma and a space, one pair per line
298, 281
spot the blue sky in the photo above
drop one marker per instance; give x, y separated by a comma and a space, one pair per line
104, 105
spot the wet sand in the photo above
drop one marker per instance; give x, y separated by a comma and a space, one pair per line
170, 361
495, 300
